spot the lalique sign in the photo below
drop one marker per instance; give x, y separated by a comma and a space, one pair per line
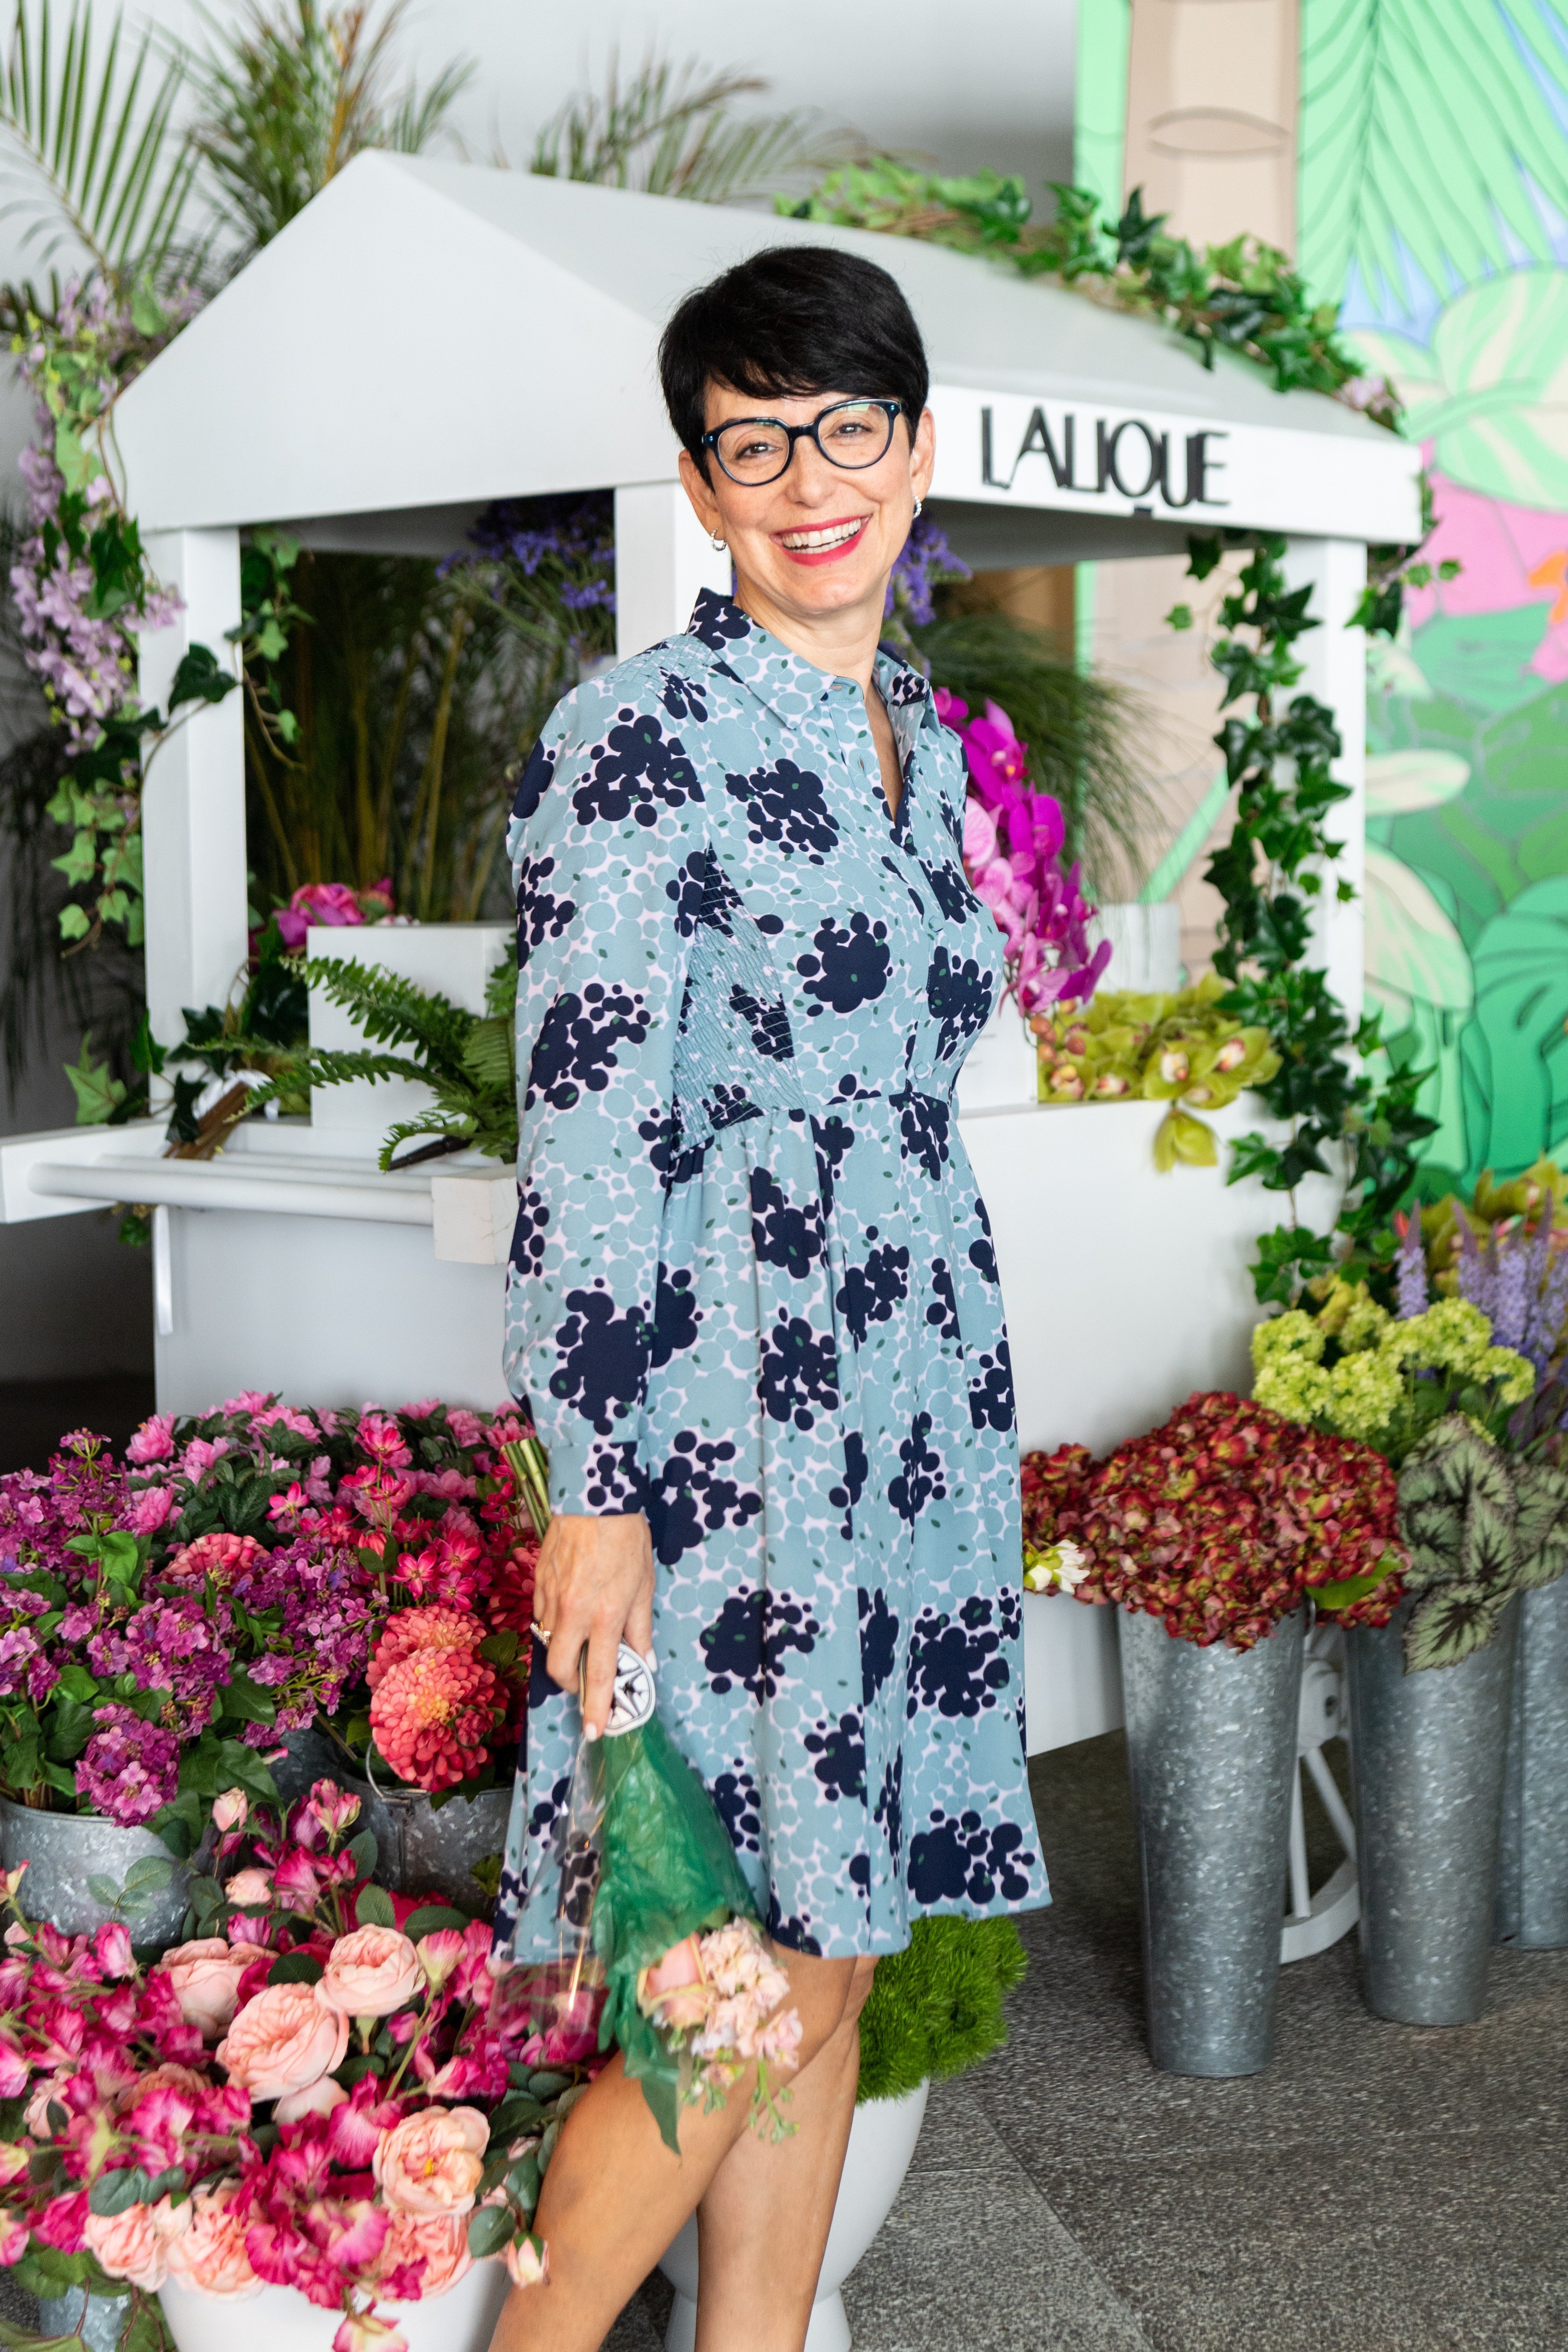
1007, 450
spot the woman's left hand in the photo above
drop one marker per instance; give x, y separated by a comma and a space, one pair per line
594, 1588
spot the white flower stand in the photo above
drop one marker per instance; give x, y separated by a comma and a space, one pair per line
279, 2319
881, 2144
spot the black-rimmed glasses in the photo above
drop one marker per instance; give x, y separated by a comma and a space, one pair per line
851, 434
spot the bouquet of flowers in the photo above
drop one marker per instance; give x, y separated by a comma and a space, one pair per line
654, 1913
246, 1572
1012, 843
1516, 1276
309, 2094
1220, 1521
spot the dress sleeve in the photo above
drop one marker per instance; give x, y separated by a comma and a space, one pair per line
607, 832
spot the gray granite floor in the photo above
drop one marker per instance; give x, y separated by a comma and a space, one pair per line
1378, 2189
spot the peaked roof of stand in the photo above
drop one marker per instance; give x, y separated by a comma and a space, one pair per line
428, 334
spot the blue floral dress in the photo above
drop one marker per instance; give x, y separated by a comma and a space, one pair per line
752, 1291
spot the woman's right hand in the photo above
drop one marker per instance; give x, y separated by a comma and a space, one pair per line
594, 1588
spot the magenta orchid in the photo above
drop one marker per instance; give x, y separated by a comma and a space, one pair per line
1012, 838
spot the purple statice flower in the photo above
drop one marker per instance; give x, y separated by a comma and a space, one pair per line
130, 1769
1412, 1291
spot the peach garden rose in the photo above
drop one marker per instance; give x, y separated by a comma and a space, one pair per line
430, 2163
284, 2039
206, 1977
370, 1973
209, 2256
135, 2245
438, 2242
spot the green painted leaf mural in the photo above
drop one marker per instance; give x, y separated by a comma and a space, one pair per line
1421, 127
1400, 782
1516, 1048
1491, 394
1419, 976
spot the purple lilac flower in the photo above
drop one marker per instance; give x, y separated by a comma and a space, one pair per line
18, 1649
130, 1769
172, 1646
1412, 1292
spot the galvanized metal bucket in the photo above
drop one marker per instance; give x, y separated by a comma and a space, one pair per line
1427, 1751
65, 1852
1210, 1747
1532, 1867
422, 1852
311, 1756
97, 2319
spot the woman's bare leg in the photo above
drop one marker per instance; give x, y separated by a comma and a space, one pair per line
614, 2196
763, 2226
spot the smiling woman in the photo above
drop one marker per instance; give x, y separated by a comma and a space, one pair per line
756, 1310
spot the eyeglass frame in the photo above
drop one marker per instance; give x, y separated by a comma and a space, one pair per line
891, 409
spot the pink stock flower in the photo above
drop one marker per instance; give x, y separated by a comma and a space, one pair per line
284, 2039
154, 1441
208, 2256
316, 2099
431, 2162
370, 1973
205, 1978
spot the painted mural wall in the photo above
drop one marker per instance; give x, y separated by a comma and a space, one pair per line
1431, 190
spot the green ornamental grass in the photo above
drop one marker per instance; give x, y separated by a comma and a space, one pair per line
936, 2008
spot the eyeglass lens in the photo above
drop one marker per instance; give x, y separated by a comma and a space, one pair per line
758, 450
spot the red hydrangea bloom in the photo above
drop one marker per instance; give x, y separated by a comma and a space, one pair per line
1220, 1520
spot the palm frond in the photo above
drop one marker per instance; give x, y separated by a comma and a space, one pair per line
95, 156
670, 132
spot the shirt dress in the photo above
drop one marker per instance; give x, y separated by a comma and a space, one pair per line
752, 1291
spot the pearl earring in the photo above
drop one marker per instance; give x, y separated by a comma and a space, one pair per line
918, 504
716, 544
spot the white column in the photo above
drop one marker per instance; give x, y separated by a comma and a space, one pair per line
1334, 656
663, 556
193, 801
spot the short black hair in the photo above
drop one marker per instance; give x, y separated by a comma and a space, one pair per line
789, 320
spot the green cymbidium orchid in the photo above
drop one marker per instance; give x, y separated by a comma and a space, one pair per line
1176, 1048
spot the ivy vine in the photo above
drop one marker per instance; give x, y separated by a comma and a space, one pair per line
1269, 874
1243, 296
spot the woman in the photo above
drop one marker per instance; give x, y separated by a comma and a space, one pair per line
754, 1303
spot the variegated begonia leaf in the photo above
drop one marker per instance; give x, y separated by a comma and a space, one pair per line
1486, 1555
1541, 1530
1450, 1624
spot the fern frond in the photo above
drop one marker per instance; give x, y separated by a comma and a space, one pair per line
389, 1008
433, 1121
322, 1065
490, 1058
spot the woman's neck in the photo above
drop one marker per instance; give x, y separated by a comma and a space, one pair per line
842, 642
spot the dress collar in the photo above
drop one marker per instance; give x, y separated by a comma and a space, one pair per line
791, 686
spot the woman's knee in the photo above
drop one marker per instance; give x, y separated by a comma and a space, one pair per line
859, 1992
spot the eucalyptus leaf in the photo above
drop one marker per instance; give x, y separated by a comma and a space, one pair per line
489, 2229
116, 2193
103, 1889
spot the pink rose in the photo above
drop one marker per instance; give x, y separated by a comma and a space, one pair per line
528, 2262
206, 1980
248, 1886
363, 2331
431, 2162
682, 1964
231, 1810
135, 2244
370, 1973
154, 1441
316, 2099
150, 1509
438, 2242
284, 2039
209, 2255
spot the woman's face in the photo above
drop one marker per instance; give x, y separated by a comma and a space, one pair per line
822, 539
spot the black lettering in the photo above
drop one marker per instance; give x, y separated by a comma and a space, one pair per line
985, 454
1199, 465
1153, 443
1036, 441
1068, 424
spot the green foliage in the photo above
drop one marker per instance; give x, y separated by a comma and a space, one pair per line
672, 131
935, 2009
1268, 874
1243, 297
1428, 137
98, 159
1084, 734
1481, 1526
291, 94
467, 1060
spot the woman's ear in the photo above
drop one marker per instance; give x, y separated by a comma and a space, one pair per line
922, 454
699, 491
